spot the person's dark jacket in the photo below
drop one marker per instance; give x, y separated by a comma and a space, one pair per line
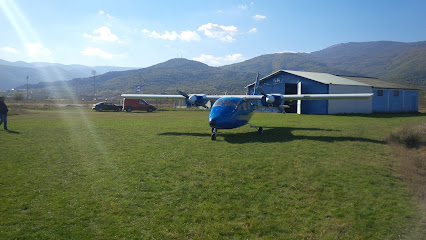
3, 108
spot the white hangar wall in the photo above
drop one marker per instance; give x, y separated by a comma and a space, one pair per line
349, 105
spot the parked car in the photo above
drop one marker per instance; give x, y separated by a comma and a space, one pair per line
102, 106
130, 104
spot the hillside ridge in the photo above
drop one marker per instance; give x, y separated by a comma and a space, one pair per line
398, 62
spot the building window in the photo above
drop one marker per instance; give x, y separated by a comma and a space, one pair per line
395, 93
379, 93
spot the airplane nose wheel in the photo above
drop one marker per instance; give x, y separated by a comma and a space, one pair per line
214, 133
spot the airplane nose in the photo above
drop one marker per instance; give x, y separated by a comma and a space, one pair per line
212, 123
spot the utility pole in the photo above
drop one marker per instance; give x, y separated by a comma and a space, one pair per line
94, 83
76, 88
27, 87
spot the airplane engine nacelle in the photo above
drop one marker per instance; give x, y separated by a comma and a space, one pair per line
271, 100
198, 100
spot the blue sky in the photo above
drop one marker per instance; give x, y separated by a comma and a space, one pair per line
143, 33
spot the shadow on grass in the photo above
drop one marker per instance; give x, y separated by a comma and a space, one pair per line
13, 132
273, 135
140, 112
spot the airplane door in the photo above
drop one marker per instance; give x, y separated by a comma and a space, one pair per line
291, 88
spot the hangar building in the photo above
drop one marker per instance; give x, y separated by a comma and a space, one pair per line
388, 97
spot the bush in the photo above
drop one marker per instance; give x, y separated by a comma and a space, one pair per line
410, 136
18, 96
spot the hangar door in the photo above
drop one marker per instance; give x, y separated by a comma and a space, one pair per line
349, 105
291, 88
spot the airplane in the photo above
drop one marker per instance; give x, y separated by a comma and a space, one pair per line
233, 111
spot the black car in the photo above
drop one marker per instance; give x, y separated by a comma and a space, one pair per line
103, 106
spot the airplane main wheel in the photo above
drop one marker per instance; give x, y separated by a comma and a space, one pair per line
214, 134
260, 130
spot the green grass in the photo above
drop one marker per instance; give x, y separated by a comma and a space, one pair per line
71, 174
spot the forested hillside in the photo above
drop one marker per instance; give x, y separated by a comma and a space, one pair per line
403, 63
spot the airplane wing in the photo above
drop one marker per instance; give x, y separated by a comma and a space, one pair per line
177, 97
153, 96
267, 100
327, 96
196, 99
256, 97
303, 96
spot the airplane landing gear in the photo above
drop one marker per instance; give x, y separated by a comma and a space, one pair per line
214, 134
259, 129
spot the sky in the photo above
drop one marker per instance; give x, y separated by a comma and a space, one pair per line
139, 33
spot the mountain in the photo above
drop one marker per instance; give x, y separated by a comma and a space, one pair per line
13, 74
269, 63
167, 77
178, 73
397, 62
404, 63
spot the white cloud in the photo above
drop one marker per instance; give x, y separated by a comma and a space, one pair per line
89, 51
218, 61
103, 34
173, 35
36, 49
9, 49
253, 30
246, 6
243, 6
223, 33
166, 35
189, 36
259, 17
103, 13
85, 35
292, 52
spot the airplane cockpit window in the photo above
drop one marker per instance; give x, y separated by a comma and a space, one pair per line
218, 103
226, 103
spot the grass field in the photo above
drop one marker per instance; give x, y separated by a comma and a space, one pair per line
78, 174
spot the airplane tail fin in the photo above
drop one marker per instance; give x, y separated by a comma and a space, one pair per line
258, 89
256, 85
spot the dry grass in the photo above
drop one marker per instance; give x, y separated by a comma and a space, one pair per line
408, 145
46, 105
412, 167
411, 136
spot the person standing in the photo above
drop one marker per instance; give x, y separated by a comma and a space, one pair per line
3, 113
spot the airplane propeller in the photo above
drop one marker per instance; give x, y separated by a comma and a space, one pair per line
197, 100
183, 94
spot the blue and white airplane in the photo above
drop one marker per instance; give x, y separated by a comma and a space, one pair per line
233, 111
